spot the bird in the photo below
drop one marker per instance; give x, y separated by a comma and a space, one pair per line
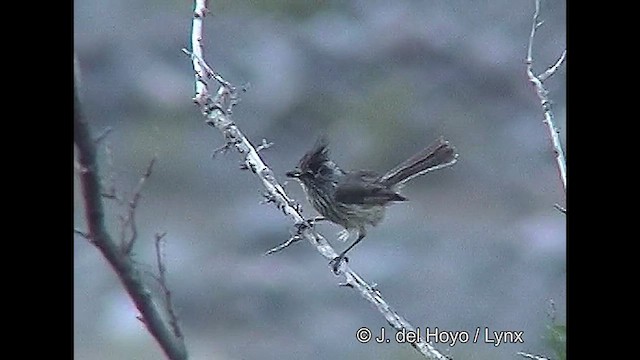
357, 199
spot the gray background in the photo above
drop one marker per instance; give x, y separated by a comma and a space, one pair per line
478, 245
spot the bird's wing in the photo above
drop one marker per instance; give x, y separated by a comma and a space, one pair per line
361, 187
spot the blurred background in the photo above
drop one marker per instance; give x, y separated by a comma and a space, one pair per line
479, 244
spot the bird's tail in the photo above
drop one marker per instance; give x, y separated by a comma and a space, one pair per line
437, 155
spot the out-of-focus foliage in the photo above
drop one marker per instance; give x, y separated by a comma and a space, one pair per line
557, 340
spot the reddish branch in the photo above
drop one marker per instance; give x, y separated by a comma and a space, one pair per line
128, 272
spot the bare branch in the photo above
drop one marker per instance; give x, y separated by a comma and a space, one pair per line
84, 234
264, 145
162, 269
530, 356
217, 115
110, 191
291, 240
129, 220
553, 68
537, 81
560, 208
221, 150
128, 273
208, 70
267, 198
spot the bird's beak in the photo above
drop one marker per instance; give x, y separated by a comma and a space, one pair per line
293, 174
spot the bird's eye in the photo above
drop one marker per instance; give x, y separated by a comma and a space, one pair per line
324, 170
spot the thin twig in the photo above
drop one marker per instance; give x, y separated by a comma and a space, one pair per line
210, 73
537, 81
560, 208
103, 135
162, 279
299, 227
110, 191
214, 109
291, 240
553, 68
264, 145
84, 234
530, 356
129, 220
221, 150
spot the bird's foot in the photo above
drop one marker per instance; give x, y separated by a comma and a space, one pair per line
337, 262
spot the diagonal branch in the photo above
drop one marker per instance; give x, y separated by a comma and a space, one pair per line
537, 81
217, 111
128, 273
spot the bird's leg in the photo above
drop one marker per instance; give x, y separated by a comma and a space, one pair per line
316, 219
336, 262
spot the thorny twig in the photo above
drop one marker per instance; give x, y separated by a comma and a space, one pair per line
291, 240
560, 208
537, 81
162, 270
264, 145
208, 70
221, 150
216, 110
531, 356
